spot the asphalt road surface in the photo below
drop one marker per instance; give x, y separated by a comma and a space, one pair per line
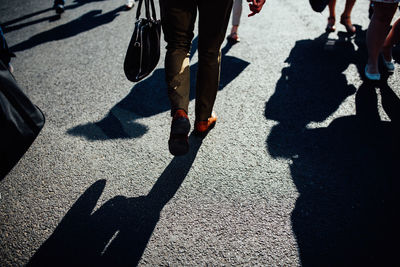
301, 169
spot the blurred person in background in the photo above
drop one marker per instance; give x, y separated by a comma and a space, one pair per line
380, 39
59, 5
233, 37
345, 18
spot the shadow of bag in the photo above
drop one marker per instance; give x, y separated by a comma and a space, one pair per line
144, 48
319, 5
20, 121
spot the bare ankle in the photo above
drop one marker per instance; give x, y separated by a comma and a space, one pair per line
387, 53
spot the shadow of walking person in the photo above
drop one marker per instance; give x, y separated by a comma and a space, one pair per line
10, 26
149, 98
117, 233
344, 172
84, 23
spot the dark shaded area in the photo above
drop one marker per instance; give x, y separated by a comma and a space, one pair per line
84, 23
8, 25
347, 173
12, 150
117, 233
20, 121
25, 24
148, 98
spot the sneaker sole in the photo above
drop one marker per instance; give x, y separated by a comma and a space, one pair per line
178, 143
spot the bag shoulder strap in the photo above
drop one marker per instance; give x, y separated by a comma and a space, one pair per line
147, 4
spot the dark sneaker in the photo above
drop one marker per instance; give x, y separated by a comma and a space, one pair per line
178, 140
59, 8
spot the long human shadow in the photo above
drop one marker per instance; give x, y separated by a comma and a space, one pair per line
148, 98
345, 173
25, 24
117, 233
8, 25
86, 22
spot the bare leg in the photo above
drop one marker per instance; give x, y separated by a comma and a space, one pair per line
332, 5
236, 14
330, 27
234, 29
348, 8
377, 32
392, 39
345, 17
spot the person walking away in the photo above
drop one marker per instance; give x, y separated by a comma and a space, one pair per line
392, 39
178, 18
380, 39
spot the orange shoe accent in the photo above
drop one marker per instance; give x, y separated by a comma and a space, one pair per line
180, 113
204, 126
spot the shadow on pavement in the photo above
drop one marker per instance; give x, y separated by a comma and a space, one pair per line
117, 233
86, 22
9, 27
346, 173
148, 98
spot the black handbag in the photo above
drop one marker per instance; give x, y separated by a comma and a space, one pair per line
20, 121
144, 48
319, 5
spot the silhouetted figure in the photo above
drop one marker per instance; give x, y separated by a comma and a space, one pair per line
117, 233
345, 172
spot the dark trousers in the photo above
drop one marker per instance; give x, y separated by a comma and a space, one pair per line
178, 18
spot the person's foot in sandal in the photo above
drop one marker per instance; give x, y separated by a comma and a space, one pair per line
233, 38
330, 27
346, 22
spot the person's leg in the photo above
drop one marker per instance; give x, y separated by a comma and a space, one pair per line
236, 14
392, 39
345, 18
330, 27
377, 32
213, 22
178, 18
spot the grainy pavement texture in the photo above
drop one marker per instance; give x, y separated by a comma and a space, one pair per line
302, 168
